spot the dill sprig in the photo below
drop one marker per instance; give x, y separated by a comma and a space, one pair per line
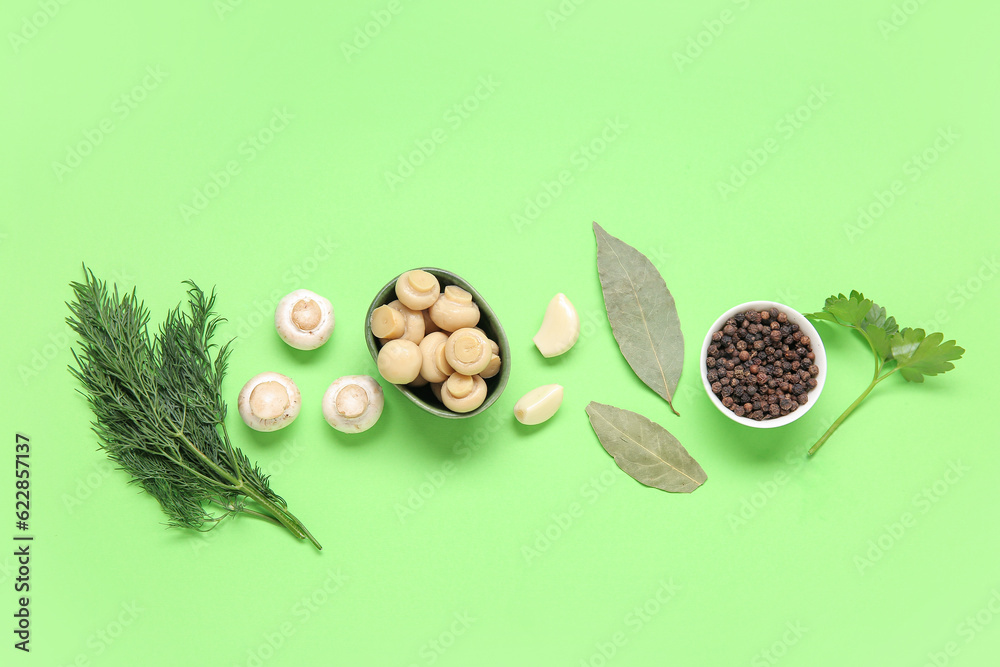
158, 407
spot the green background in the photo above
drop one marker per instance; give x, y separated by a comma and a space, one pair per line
753, 150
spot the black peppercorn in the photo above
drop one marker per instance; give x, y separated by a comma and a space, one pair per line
761, 365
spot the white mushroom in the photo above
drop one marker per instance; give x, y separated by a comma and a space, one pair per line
463, 393
353, 403
399, 361
387, 323
432, 354
492, 368
454, 309
417, 289
413, 322
269, 401
429, 326
468, 351
304, 319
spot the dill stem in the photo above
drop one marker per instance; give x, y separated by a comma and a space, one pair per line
286, 518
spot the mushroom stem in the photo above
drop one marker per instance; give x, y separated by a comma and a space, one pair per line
306, 314
268, 400
352, 401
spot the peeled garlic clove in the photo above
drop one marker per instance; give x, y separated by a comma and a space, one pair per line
538, 404
560, 329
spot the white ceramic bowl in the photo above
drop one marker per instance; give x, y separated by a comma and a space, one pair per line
805, 326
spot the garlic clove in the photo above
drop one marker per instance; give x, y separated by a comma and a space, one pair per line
560, 328
539, 404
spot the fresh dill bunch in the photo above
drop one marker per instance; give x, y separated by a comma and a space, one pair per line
158, 407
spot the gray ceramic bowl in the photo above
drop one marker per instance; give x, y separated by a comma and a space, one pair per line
817, 347
488, 322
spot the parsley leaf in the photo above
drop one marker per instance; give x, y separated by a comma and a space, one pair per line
917, 354
912, 352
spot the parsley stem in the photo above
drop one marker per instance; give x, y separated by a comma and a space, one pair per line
833, 427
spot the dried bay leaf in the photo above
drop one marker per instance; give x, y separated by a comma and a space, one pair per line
646, 451
642, 313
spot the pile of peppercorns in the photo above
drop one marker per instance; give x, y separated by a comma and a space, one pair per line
760, 365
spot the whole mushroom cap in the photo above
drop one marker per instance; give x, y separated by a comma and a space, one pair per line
417, 289
269, 401
471, 392
304, 319
353, 403
454, 309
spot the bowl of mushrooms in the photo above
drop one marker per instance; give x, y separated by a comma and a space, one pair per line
435, 338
